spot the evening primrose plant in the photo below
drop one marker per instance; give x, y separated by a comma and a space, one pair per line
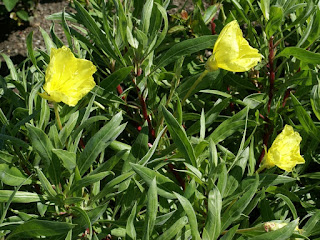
152, 124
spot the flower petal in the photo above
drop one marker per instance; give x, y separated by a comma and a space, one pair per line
68, 79
285, 150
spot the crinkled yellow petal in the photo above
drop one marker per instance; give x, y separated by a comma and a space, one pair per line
68, 79
285, 150
232, 52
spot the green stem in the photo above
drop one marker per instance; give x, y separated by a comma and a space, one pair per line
195, 84
243, 230
56, 112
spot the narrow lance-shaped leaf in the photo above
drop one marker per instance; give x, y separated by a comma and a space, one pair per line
174, 229
165, 186
179, 137
234, 212
213, 223
185, 48
301, 54
12, 176
36, 228
97, 34
20, 196
40, 143
191, 216
130, 229
304, 118
152, 209
99, 142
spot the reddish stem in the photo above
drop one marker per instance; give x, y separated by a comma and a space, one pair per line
268, 127
144, 106
271, 72
213, 27
286, 96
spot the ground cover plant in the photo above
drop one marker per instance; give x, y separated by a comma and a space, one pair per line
150, 125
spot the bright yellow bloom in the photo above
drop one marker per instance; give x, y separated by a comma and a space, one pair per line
68, 79
285, 151
232, 52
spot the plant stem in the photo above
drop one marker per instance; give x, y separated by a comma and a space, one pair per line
143, 104
268, 129
56, 112
242, 230
271, 72
195, 84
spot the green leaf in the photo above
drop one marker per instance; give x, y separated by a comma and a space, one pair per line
46, 184
20, 197
6, 157
146, 15
311, 225
36, 228
301, 54
14, 140
315, 30
210, 12
191, 216
68, 159
275, 21
11, 67
31, 52
280, 234
234, 212
117, 77
289, 203
99, 142
151, 151
130, 229
41, 144
315, 100
236, 173
68, 127
304, 118
23, 15
230, 234
110, 163
164, 31
185, 48
179, 137
210, 116
229, 126
165, 186
12, 176
66, 30
47, 41
10, 4
109, 187
152, 209
265, 8
212, 228
174, 229
99, 37
88, 180
84, 221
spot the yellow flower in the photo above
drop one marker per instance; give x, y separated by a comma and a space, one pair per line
285, 151
232, 52
68, 79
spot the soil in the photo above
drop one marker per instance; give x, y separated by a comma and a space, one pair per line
13, 37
